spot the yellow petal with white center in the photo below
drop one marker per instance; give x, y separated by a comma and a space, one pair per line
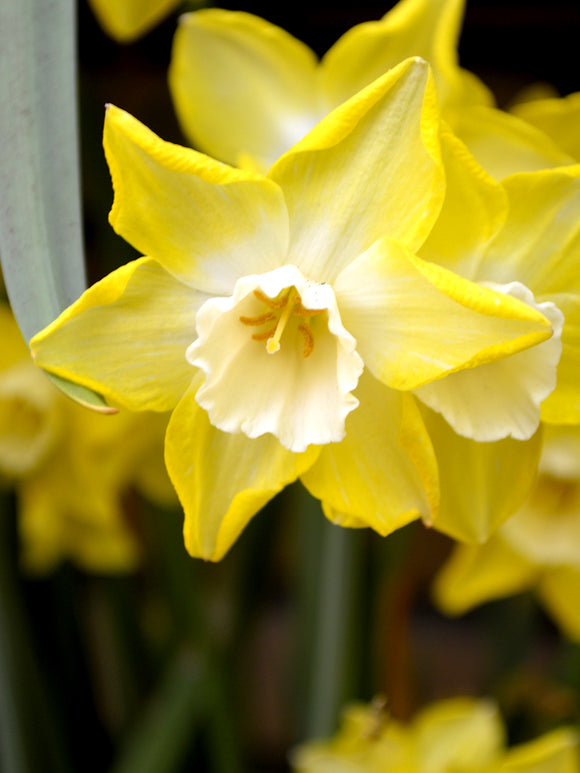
129, 19
482, 484
277, 359
558, 118
474, 209
502, 398
126, 337
478, 573
370, 168
426, 28
415, 321
555, 752
383, 474
504, 144
539, 244
242, 87
205, 222
559, 590
222, 480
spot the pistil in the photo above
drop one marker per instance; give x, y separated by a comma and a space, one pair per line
273, 343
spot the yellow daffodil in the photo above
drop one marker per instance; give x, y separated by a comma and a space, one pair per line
246, 90
263, 298
70, 466
539, 548
126, 20
459, 735
522, 238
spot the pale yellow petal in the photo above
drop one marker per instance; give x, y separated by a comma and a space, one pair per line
559, 590
563, 405
555, 752
222, 480
370, 168
126, 337
475, 574
205, 222
383, 474
559, 118
504, 144
474, 209
426, 28
482, 484
125, 20
392, 302
242, 87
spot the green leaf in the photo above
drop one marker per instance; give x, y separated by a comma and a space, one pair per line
41, 246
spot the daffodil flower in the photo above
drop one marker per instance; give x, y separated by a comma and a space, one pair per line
126, 20
457, 734
537, 549
520, 237
263, 298
245, 90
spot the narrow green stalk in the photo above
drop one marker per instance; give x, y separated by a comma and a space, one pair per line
329, 612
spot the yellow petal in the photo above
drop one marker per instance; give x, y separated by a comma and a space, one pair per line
555, 752
558, 118
368, 169
458, 734
482, 484
126, 337
383, 474
501, 398
186, 210
426, 28
504, 144
478, 573
559, 590
242, 88
563, 405
13, 349
126, 20
540, 241
474, 209
392, 302
222, 480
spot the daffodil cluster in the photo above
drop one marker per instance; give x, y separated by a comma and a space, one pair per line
374, 290
70, 467
459, 735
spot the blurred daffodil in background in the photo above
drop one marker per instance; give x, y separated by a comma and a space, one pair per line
459, 735
71, 468
126, 20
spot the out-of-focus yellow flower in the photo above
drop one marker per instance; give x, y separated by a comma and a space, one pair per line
264, 297
245, 90
539, 548
126, 20
459, 735
522, 237
70, 466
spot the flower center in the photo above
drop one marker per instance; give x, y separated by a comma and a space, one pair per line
280, 309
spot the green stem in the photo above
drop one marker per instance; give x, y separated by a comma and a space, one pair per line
333, 672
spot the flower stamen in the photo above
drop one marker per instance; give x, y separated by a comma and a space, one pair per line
273, 343
273, 303
259, 319
304, 328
